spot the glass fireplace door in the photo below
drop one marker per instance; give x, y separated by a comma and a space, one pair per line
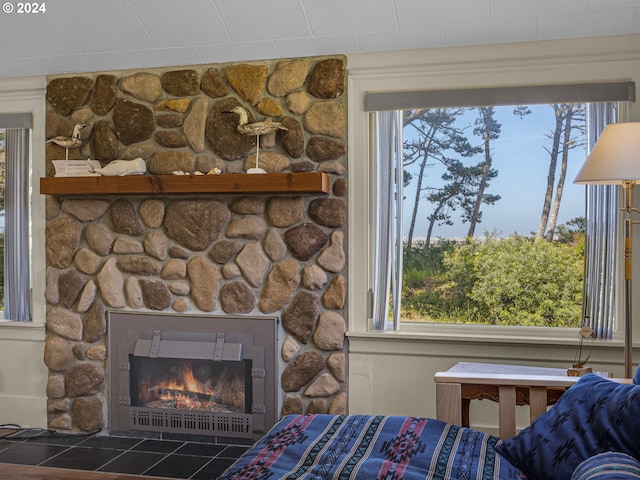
191, 384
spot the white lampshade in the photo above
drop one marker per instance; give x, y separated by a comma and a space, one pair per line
615, 156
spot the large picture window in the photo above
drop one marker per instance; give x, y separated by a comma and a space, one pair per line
486, 225
493, 228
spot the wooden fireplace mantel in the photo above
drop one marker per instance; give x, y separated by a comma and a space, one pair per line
301, 183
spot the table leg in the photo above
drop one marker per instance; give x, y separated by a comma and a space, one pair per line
537, 402
507, 411
466, 404
449, 402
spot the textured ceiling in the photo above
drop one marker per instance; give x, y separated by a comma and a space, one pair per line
93, 35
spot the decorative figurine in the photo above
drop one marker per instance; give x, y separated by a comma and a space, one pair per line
74, 141
118, 168
256, 129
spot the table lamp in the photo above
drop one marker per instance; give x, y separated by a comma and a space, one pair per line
615, 160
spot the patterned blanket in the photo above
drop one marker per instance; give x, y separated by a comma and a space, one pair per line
360, 447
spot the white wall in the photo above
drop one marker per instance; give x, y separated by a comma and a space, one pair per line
23, 374
392, 373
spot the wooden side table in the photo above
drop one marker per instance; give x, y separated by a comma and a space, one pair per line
509, 385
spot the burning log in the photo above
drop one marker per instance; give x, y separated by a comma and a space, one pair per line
191, 386
173, 393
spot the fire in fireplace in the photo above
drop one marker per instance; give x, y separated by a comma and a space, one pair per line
190, 384
192, 374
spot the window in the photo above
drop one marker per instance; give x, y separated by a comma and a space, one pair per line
2, 215
15, 216
493, 228
489, 228
23, 109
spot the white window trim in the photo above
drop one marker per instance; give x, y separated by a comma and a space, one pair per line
580, 61
27, 95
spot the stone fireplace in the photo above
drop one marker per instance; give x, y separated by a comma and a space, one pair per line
216, 255
192, 374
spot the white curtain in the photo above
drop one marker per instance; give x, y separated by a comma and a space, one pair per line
387, 256
17, 285
602, 214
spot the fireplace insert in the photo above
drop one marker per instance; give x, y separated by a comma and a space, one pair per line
192, 374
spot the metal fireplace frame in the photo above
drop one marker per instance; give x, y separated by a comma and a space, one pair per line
218, 338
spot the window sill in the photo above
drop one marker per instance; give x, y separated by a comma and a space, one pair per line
484, 334
30, 331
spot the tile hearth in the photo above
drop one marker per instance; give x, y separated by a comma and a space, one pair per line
178, 459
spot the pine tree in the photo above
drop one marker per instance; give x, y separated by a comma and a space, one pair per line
488, 129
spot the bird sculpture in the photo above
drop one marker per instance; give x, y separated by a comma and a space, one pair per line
120, 168
256, 129
74, 141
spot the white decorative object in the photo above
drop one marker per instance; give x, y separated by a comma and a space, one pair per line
76, 168
119, 168
180, 172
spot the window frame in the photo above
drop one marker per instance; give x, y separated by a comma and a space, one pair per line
500, 66
27, 96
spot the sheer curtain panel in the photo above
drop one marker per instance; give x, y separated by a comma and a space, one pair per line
387, 258
17, 286
601, 244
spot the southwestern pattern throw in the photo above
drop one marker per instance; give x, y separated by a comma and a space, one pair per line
371, 447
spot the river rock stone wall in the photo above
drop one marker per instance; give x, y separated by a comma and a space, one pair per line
275, 255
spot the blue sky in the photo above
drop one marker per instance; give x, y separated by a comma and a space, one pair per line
522, 164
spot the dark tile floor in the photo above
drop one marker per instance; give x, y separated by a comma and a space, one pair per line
185, 459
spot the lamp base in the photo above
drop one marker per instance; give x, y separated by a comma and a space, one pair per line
578, 371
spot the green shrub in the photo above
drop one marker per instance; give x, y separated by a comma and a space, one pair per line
513, 281
414, 278
529, 282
